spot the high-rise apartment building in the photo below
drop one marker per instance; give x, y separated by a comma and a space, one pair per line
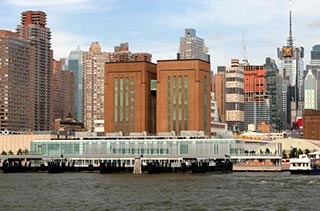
123, 54
291, 65
94, 63
33, 28
235, 96
192, 47
219, 85
256, 98
75, 64
62, 87
183, 96
129, 103
15, 67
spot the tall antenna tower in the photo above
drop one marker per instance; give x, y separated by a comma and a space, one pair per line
290, 38
245, 53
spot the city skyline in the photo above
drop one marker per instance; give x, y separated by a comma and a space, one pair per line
156, 27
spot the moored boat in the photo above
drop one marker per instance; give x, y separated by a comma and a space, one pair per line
306, 164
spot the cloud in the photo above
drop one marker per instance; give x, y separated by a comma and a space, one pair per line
37, 3
64, 42
87, 6
156, 26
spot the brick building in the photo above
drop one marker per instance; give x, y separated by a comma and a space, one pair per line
15, 67
183, 95
129, 103
62, 96
311, 124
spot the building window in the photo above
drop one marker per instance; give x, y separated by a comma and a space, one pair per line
186, 102
180, 101
121, 103
168, 103
116, 105
132, 104
127, 105
205, 104
174, 102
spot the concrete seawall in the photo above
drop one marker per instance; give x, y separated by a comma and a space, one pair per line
259, 168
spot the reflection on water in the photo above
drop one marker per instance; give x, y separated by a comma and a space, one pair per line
94, 191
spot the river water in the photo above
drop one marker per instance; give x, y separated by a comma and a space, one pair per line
94, 191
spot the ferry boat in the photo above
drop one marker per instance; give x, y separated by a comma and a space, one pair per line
306, 164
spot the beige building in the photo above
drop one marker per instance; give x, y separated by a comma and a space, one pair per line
235, 96
14, 142
219, 85
94, 61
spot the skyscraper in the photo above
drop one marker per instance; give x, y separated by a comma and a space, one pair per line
291, 65
274, 90
75, 64
15, 66
310, 91
256, 98
94, 63
192, 47
235, 96
313, 72
33, 28
183, 96
315, 55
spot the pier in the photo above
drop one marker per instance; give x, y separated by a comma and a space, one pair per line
156, 154
108, 164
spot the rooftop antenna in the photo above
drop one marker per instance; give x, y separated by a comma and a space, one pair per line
290, 38
245, 53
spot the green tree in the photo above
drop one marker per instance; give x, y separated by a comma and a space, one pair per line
19, 152
25, 151
293, 153
10, 152
307, 151
300, 152
284, 154
3, 152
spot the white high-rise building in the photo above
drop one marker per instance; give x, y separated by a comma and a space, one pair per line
192, 47
310, 91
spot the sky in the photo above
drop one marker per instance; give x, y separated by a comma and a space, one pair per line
155, 26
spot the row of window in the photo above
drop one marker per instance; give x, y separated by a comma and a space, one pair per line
123, 103
178, 90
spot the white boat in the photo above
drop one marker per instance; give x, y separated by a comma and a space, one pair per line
306, 164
